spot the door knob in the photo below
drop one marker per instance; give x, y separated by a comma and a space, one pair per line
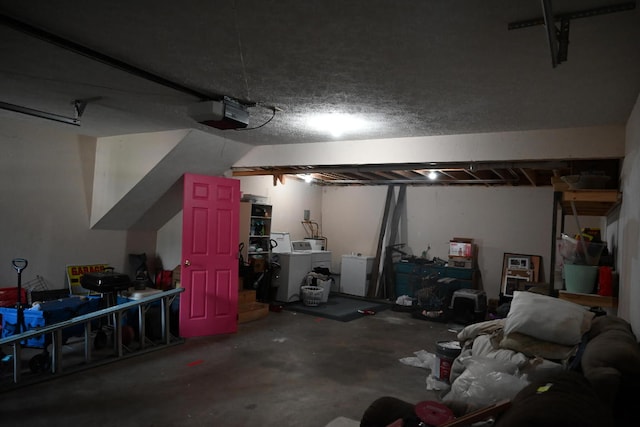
187, 263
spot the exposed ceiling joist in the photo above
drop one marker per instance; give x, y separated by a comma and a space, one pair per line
528, 173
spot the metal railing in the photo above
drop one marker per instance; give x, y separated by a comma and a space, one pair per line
116, 314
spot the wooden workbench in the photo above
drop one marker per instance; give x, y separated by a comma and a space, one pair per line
589, 300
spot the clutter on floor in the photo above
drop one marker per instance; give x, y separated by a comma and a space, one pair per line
555, 361
100, 306
343, 422
339, 307
443, 302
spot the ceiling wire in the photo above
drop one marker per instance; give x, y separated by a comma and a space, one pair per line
273, 114
273, 109
244, 70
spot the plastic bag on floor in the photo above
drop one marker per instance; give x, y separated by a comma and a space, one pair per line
422, 359
434, 383
404, 300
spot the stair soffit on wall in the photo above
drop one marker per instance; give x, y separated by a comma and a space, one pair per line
152, 199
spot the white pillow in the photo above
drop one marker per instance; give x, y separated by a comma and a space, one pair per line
547, 318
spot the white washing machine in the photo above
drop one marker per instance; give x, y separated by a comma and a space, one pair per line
294, 267
319, 258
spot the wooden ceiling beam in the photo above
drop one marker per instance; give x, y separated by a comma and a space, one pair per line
530, 175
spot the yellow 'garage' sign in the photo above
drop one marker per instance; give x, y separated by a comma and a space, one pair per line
74, 272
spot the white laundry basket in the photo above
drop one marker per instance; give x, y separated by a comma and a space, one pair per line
311, 295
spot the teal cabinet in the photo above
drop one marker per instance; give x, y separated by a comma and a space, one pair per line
411, 277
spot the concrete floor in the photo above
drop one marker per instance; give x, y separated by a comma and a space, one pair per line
287, 369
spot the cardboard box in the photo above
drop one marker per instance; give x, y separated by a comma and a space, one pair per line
259, 265
558, 184
460, 262
461, 247
175, 277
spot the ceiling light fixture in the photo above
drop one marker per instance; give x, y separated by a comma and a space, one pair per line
432, 175
306, 177
337, 124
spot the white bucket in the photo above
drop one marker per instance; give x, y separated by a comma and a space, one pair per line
446, 352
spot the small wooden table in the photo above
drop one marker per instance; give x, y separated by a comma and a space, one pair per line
590, 300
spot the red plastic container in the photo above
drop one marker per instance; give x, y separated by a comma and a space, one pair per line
605, 281
9, 297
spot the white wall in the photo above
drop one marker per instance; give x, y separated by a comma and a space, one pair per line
494, 146
169, 243
123, 161
47, 174
352, 217
500, 219
289, 201
628, 260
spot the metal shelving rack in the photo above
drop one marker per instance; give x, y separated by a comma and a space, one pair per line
581, 203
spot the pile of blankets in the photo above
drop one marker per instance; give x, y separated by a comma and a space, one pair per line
541, 335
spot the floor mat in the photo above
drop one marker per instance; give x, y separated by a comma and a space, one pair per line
339, 307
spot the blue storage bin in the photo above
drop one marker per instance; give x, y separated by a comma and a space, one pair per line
32, 319
49, 313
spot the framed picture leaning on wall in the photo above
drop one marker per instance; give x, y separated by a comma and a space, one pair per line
519, 272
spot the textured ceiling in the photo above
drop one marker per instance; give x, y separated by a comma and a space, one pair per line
410, 68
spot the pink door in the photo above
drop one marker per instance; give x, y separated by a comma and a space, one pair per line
209, 274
